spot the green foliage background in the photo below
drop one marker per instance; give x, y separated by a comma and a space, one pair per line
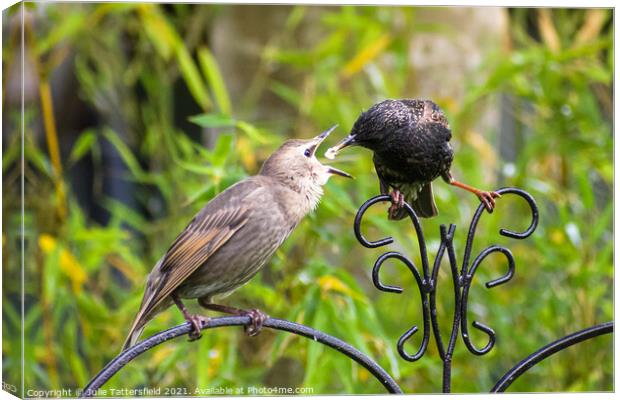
84, 281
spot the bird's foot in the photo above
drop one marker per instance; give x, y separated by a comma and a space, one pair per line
257, 318
398, 202
488, 199
197, 321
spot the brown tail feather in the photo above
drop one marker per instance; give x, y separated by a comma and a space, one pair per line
132, 338
137, 326
146, 312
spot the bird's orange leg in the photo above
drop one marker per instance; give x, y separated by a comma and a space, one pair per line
195, 320
257, 317
486, 197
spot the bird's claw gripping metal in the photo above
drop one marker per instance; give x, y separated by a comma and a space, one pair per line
257, 318
488, 199
197, 321
398, 202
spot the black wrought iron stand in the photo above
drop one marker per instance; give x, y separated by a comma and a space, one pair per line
427, 285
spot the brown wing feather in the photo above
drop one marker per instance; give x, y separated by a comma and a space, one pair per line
202, 237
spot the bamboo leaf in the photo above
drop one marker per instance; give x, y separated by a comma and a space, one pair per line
126, 154
222, 149
68, 27
366, 55
215, 80
252, 132
86, 141
285, 92
158, 30
38, 159
213, 120
168, 42
192, 77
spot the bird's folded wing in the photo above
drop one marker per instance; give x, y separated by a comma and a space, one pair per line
205, 234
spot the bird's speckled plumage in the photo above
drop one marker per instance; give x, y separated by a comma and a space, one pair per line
410, 140
237, 232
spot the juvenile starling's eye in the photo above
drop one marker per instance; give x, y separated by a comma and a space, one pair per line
307, 153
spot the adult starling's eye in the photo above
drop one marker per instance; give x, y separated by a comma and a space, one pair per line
307, 153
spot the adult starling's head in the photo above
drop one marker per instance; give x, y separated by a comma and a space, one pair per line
295, 165
388, 118
372, 126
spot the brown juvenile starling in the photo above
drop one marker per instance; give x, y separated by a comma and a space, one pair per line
410, 141
234, 235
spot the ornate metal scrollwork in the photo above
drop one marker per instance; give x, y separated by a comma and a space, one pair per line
427, 280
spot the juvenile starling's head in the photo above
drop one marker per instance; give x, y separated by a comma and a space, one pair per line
295, 165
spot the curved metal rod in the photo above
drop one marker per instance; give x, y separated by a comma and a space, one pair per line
358, 222
496, 282
468, 272
446, 243
550, 349
128, 355
385, 241
422, 285
462, 282
504, 232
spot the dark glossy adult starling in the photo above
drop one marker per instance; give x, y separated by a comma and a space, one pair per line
234, 235
410, 140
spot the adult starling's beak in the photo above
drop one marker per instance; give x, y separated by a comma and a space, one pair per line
332, 151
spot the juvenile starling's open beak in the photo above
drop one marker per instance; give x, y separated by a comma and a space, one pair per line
332, 151
336, 171
319, 139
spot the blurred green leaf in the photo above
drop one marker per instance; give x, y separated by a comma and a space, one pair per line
213, 120
287, 93
222, 149
125, 153
85, 143
192, 77
68, 27
215, 80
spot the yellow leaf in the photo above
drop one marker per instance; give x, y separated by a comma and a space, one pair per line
47, 243
69, 265
330, 283
366, 55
